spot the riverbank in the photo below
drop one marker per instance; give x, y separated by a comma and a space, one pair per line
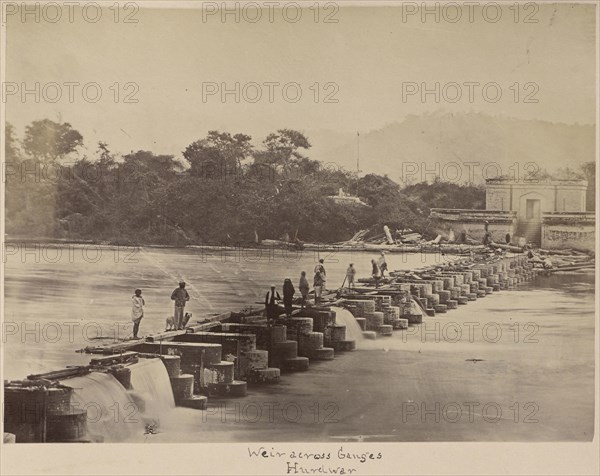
263, 245
44, 245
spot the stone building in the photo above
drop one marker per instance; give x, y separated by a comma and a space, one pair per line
343, 198
550, 213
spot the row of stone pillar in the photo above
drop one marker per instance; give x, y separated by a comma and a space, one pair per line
378, 314
436, 291
448, 287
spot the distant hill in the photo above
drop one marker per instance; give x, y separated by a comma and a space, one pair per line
443, 138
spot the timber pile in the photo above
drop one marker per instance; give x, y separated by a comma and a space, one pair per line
514, 249
356, 239
365, 238
408, 242
576, 262
588, 266
567, 252
564, 260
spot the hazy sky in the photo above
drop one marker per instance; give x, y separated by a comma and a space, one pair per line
369, 56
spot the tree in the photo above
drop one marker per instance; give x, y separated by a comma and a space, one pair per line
151, 198
217, 153
15, 191
11, 146
282, 147
47, 140
31, 196
374, 189
440, 194
144, 179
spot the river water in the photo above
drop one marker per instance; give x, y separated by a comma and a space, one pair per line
59, 299
526, 355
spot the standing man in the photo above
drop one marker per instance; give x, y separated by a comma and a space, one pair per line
319, 268
350, 273
304, 288
137, 311
376, 273
272, 304
487, 236
382, 264
318, 284
180, 296
288, 296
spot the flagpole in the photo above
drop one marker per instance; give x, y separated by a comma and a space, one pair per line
357, 152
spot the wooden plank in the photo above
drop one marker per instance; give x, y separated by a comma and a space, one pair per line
570, 268
166, 335
115, 348
111, 359
60, 374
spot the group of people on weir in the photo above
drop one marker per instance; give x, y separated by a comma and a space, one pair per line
180, 296
379, 268
273, 299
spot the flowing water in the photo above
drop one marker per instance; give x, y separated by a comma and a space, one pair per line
149, 378
112, 415
353, 330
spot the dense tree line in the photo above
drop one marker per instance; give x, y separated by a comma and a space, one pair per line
225, 190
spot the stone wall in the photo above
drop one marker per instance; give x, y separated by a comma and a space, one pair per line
570, 200
569, 230
473, 222
497, 198
561, 206
554, 195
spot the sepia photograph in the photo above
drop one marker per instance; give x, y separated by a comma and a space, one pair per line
299, 237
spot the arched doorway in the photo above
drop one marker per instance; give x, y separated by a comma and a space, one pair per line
529, 217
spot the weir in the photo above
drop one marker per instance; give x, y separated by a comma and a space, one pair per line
112, 415
353, 329
127, 390
150, 378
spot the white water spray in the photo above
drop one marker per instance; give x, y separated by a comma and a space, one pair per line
112, 416
149, 378
353, 330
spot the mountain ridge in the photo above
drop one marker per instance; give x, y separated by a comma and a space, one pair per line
460, 147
